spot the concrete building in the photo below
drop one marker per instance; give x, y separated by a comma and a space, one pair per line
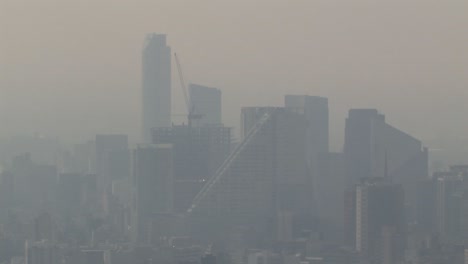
112, 160
156, 84
315, 110
330, 196
153, 187
451, 204
265, 173
198, 152
206, 102
374, 148
380, 221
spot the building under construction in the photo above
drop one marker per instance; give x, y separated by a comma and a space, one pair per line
265, 174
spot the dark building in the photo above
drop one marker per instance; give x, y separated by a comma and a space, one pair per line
315, 111
156, 84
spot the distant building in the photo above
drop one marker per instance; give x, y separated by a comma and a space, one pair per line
198, 152
153, 184
315, 110
44, 227
208, 259
265, 173
70, 194
95, 256
156, 84
330, 196
206, 102
34, 184
42, 252
374, 148
380, 221
451, 204
112, 160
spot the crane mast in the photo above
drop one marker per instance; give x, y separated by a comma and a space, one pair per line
191, 115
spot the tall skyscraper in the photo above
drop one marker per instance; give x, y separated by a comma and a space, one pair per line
315, 111
156, 82
206, 101
153, 185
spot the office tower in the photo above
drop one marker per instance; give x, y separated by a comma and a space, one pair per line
206, 102
156, 82
315, 109
264, 174
374, 148
198, 152
380, 221
153, 185
112, 160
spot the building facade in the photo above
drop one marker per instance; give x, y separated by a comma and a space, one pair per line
206, 102
153, 187
156, 84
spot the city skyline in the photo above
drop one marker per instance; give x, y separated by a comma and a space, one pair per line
322, 55
262, 132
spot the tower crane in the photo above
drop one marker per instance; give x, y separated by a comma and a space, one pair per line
191, 115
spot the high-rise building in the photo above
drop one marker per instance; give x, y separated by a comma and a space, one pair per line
153, 186
264, 174
330, 195
374, 148
315, 110
198, 152
451, 204
380, 221
112, 159
156, 82
206, 102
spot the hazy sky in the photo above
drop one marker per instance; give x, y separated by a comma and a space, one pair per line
72, 68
